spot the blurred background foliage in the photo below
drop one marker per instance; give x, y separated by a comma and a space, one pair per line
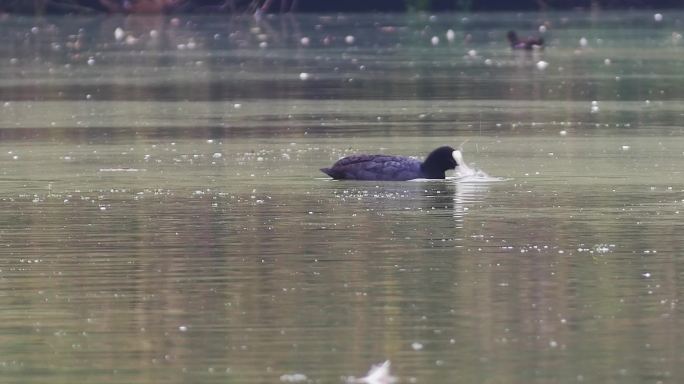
251, 6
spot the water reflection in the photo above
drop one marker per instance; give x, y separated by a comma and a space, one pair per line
447, 202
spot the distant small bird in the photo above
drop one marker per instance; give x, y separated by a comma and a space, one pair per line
528, 44
394, 168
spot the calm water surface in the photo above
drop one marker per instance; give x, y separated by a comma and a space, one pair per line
164, 219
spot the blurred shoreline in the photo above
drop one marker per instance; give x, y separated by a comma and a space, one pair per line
41, 7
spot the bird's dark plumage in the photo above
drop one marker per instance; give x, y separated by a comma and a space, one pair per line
393, 168
528, 43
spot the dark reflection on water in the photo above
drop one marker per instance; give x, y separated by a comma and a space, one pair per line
164, 219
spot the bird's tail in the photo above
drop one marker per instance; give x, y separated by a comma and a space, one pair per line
332, 173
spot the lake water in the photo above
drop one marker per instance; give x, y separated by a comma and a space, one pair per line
164, 219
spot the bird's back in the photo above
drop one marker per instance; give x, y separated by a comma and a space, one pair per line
375, 167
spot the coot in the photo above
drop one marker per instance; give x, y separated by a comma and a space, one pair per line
527, 44
394, 168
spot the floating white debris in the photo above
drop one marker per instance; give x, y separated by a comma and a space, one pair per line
594, 106
263, 45
131, 40
183, 328
583, 42
604, 248
121, 170
91, 61
416, 346
35, 30
378, 374
563, 132
542, 28
626, 147
488, 62
237, 105
154, 34
607, 62
349, 39
542, 65
450, 35
658, 17
293, 378
434, 40
305, 41
303, 76
472, 53
119, 34
217, 155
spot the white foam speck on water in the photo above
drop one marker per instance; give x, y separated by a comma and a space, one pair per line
119, 34
121, 170
293, 378
378, 374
